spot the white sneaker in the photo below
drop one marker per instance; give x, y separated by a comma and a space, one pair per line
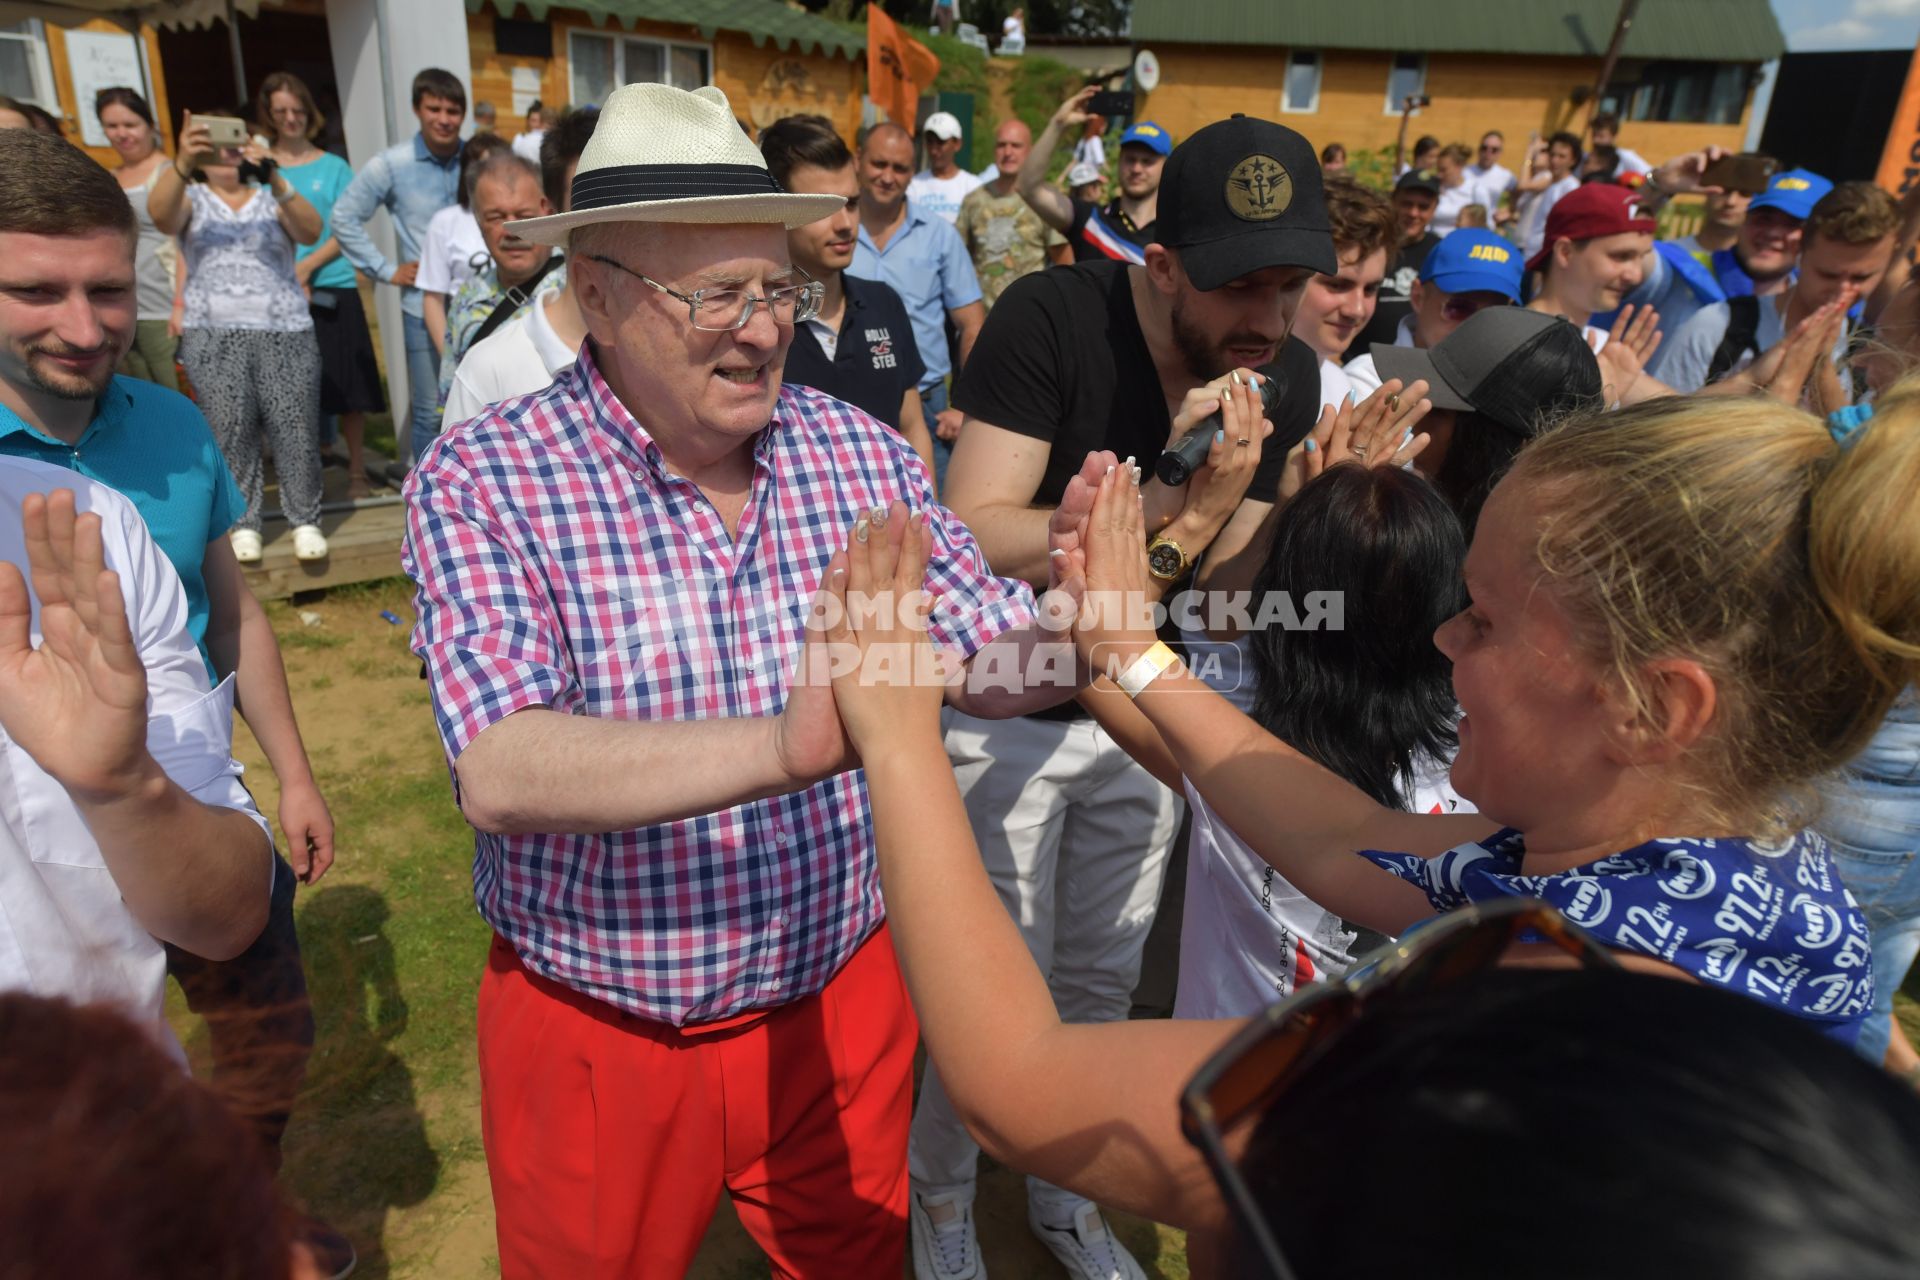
308, 543
1087, 1249
246, 546
944, 1244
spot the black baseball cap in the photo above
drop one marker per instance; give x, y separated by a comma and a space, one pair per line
1507, 363
1419, 180
1242, 195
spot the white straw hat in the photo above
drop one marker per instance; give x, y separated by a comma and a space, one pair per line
661, 154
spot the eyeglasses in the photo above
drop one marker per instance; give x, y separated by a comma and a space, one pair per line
1244, 1077
723, 310
1464, 306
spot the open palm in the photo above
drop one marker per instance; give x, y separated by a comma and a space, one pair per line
77, 702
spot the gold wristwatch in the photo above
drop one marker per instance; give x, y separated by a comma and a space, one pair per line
1166, 560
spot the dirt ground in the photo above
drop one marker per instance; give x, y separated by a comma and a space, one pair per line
386, 1141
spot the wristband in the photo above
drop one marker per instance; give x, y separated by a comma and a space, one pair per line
286, 196
1146, 669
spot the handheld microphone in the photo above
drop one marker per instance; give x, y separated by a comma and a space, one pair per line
1189, 453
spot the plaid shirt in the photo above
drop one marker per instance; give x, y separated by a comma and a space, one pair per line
560, 565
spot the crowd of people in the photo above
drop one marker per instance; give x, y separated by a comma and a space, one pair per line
1518, 671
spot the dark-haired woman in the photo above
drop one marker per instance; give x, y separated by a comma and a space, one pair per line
349, 374
128, 123
1363, 693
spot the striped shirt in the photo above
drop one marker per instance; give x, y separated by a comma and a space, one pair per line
561, 565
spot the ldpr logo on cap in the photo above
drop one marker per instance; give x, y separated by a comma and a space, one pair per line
1259, 189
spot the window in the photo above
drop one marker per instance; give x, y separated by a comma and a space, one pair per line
1693, 92
1302, 92
24, 71
600, 64
1408, 79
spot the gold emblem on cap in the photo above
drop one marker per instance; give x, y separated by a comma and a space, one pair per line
1259, 189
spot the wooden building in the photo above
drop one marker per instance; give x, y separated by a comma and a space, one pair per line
1337, 70
771, 61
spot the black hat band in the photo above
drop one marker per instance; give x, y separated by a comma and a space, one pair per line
639, 183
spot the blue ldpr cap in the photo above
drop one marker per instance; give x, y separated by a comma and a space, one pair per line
1474, 260
1793, 193
1150, 135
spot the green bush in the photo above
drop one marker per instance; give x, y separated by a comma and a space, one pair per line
1040, 85
963, 68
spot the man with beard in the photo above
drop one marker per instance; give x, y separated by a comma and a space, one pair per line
1118, 230
1108, 355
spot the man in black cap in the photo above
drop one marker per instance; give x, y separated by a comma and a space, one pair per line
1109, 355
1415, 197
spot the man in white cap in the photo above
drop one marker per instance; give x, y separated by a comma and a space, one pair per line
690, 987
943, 184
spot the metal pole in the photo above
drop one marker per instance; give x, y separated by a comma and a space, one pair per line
1620, 28
239, 63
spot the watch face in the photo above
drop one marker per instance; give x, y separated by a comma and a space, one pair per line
1164, 560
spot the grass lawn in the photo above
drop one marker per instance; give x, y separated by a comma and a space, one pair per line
385, 1142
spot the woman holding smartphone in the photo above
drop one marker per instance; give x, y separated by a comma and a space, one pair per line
248, 343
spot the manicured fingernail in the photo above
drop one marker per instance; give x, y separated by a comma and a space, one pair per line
1108, 471
1312, 447
1219, 435
860, 528
879, 515
1058, 552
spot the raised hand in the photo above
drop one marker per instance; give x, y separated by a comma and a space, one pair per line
1631, 342
1377, 432
1117, 610
77, 703
888, 680
1215, 489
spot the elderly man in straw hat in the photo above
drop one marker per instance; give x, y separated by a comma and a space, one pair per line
690, 986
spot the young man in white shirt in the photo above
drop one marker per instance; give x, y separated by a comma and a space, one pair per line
1335, 308
943, 184
1605, 132
1487, 173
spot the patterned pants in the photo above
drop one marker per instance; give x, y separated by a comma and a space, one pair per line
251, 381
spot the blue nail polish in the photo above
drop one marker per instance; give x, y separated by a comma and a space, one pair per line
1312, 447
1220, 435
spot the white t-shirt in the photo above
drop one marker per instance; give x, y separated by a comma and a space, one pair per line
1360, 371
64, 929
1630, 162
1533, 219
1091, 151
527, 145
523, 356
1334, 387
1446, 212
1248, 937
452, 251
1494, 181
942, 195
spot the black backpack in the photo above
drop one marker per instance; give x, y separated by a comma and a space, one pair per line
1742, 337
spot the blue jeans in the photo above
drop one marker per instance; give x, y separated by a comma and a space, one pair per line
1873, 823
933, 402
423, 378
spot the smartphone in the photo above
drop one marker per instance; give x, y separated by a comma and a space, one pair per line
224, 131
1111, 104
1745, 172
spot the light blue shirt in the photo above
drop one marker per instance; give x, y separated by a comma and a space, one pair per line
926, 263
411, 184
1663, 289
152, 446
322, 180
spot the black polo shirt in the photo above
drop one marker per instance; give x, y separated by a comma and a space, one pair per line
1106, 235
875, 362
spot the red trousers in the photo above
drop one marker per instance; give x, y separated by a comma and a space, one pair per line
609, 1137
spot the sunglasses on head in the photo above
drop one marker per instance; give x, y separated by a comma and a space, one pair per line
1254, 1068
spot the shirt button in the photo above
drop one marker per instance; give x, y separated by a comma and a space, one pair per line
782, 838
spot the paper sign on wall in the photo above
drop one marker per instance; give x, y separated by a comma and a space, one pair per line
526, 89
101, 60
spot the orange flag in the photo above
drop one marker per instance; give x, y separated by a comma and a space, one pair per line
1900, 161
898, 68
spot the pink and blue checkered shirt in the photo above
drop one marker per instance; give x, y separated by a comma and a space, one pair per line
560, 565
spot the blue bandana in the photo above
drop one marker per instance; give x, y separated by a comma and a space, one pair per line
1770, 921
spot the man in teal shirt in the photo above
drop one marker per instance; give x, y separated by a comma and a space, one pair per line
66, 317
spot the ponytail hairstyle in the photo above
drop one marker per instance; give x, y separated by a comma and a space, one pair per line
1740, 535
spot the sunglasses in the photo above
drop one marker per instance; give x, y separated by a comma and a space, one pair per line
1463, 306
1244, 1077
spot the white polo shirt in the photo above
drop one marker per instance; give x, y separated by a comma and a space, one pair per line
64, 930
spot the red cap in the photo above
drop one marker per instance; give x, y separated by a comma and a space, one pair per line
1596, 209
